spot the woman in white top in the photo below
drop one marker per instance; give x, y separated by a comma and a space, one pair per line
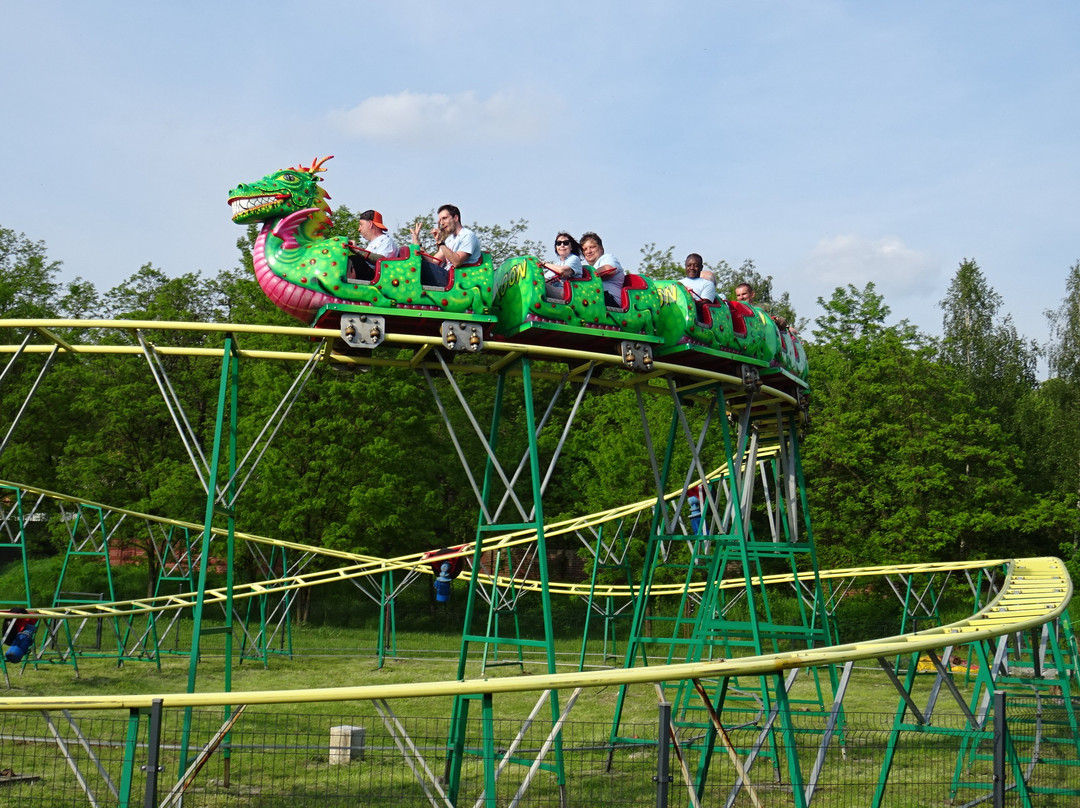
567, 264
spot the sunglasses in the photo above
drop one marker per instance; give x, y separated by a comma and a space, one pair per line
562, 243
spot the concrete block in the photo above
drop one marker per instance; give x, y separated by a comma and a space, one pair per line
346, 743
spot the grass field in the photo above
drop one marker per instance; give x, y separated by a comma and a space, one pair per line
280, 755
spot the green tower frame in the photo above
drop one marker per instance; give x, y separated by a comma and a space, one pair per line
726, 621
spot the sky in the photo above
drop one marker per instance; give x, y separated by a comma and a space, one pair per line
831, 142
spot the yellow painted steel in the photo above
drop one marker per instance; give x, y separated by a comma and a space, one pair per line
366, 566
46, 327
1035, 591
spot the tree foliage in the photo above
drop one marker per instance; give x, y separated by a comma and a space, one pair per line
28, 284
1064, 349
983, 346
904, 464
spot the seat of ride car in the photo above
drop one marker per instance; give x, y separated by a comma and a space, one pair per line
739, 312
451, 270
631, 282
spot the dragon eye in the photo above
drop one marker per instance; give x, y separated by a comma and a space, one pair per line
289, 177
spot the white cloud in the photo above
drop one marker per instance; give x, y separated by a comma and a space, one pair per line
892, 266
428, 118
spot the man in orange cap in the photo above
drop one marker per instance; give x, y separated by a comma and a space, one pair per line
379, 243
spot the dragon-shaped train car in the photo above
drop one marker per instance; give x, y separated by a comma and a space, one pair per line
313, 277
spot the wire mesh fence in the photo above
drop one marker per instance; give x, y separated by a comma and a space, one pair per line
369, 756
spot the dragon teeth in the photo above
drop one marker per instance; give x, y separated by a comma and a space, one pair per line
250, 203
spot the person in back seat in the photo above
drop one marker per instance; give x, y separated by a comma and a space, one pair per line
699, 286
745, 293
606, 266
454, 246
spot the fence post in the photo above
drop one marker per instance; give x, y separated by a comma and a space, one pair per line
153, 746
663, 756
999, 748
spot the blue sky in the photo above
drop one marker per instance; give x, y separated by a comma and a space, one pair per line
831, 142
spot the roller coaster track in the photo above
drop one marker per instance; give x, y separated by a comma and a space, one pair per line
363, 566
417, 352
1036, 591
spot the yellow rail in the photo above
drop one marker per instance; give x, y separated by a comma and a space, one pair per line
423, 345
366, 566
1036, 590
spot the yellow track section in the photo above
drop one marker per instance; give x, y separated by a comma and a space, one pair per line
1036, 591
365, 566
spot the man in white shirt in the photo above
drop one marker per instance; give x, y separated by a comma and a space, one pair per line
455, 246
701, 288
379, 244
379, 241
606, 267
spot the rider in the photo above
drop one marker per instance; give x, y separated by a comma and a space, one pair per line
455, 246
379, 242
701, 288
606, 266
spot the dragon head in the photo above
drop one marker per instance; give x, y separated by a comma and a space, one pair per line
279, 194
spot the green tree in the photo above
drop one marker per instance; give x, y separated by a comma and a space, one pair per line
29, 289
983, 346
657, 263
1064, 350
28, 286
854, 318
125, 447
903, 464
1060, 396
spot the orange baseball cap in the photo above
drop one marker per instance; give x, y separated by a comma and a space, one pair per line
375, 218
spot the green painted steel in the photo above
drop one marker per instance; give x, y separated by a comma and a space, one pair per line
93, 544
703, 626
224, 451
131, 741
701, 623
527, 496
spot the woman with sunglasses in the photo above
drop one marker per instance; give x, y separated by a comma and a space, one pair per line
567, 264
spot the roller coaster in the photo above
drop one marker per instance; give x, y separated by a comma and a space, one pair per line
698, 608
315, 278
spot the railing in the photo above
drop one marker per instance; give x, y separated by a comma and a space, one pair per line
355, 756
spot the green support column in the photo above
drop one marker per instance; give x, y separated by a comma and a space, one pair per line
87, 538
14, 535
490, 524
387, 638
224, 451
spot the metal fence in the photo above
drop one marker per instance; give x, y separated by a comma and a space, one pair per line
368, 756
